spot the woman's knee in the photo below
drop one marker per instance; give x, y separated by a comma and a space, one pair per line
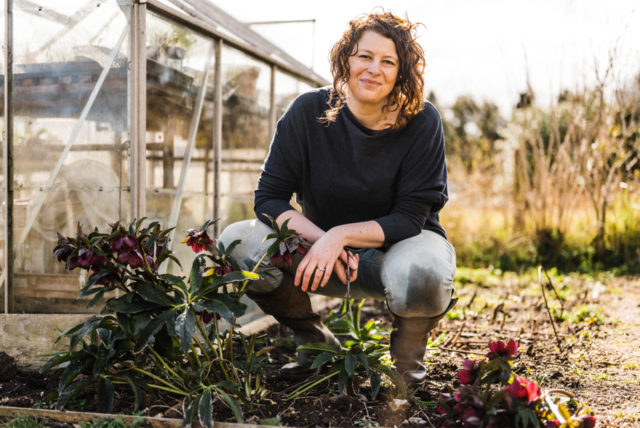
250, 234
251, 246
418, 276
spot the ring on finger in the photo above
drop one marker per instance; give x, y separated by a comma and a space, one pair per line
321, 268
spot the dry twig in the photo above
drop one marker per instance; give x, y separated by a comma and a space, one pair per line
546, 305
498, 309
461, 351
553, 287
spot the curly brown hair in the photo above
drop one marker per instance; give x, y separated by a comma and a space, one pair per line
407, 93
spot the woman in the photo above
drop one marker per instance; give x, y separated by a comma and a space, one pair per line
366, 162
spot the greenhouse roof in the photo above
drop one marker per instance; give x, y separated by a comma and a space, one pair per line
209, 18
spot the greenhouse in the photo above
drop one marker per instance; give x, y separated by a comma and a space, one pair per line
117, 110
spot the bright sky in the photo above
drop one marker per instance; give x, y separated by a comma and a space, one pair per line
482, 48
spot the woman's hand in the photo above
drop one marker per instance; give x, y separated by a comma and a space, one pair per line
340, 268
325, 255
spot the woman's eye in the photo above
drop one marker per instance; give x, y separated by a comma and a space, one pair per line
364, 56
389, 62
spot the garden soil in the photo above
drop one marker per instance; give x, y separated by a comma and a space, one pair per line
594, 356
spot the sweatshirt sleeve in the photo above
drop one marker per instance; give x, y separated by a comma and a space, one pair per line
281, 171
421, 185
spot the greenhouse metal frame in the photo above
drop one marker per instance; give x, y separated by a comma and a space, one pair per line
168, 116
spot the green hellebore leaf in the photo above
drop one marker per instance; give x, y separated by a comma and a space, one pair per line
220, 308
171, 279
375, 385
189, 411
340, 326
128, 304
95, 299
321, 359
103, 361
233, 404
236, 276
135, 390
185, 327
148, 334
205, 409
153, 294
369, 325
90, 325
197, 270
105, 395
362, 357
139, 322
238, 308
67, 392
350, 364
229, 250
342, 380
88, 287
317, 346
56, 360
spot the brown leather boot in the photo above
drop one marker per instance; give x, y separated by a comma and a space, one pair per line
409, 342
292, 307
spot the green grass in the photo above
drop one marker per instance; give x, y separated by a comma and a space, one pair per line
112, 423
627, 417
486, 238
22, 421
587, 314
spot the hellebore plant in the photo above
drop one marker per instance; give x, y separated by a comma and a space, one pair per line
491, 395
160, 333
362, 354
287, 243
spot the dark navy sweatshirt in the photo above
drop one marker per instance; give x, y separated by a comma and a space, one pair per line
343, 172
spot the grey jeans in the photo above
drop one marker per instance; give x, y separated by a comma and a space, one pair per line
415, 275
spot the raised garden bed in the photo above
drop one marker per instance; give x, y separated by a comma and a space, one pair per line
158, 349
598, 364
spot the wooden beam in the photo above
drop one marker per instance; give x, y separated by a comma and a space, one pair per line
75, 418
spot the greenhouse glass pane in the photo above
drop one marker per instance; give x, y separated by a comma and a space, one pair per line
245, 128
71, 139
179, 129
287, 89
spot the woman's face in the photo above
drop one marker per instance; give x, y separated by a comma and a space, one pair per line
373, 69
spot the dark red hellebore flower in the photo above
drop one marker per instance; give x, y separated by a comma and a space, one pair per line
198, 240
468, 373
522, 389
499, 349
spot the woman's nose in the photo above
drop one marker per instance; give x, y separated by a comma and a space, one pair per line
374, 67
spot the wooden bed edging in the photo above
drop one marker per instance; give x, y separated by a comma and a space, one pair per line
77, 417
28, 337
33, 335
